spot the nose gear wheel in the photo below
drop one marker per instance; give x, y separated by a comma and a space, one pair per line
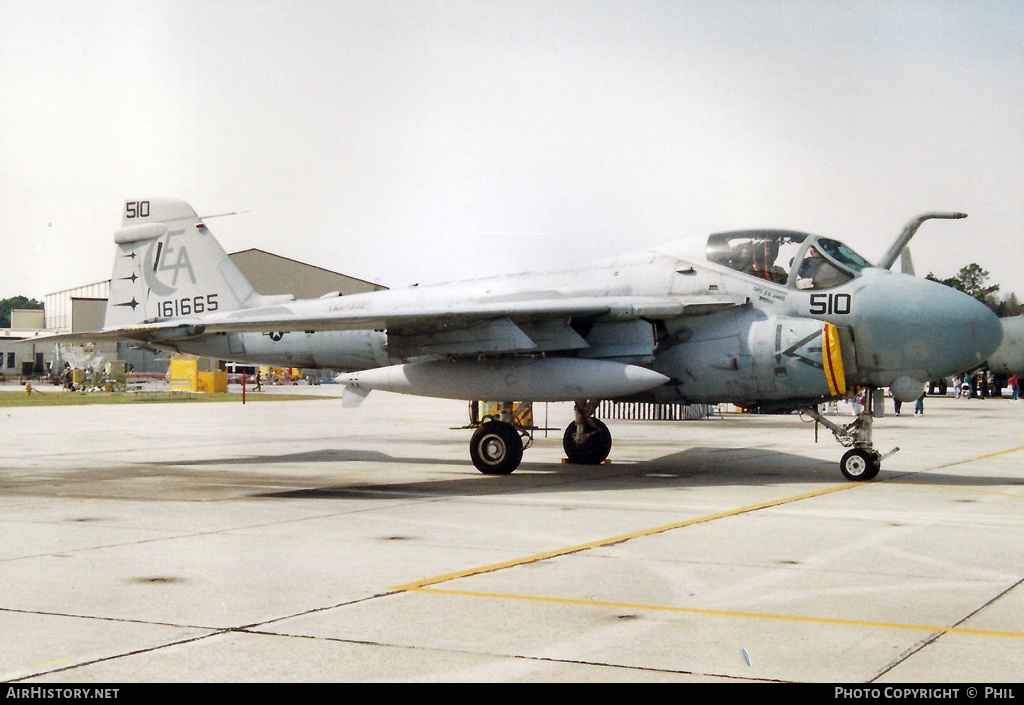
860, 465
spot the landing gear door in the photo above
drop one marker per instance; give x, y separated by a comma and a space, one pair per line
848, 350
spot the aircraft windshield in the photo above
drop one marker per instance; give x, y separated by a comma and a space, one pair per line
764, 254
819, 272
827, 264
843, 254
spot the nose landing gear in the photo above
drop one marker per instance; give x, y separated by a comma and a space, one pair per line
862, 462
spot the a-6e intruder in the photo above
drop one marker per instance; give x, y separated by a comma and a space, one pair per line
776, 319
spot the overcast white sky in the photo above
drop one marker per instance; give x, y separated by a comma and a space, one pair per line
429, 140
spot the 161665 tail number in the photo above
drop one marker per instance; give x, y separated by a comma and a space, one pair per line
171, 308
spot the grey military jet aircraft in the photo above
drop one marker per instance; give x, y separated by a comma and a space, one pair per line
774, 318
1008, 359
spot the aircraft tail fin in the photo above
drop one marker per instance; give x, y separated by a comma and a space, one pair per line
168, 265
906, 262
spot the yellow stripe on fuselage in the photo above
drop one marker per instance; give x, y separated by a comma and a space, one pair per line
832, 359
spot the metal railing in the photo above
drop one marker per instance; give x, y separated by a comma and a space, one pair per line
649, 411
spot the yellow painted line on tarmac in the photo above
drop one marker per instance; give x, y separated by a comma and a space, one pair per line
425, 586
50, 664
725, 613
949, 488
998, 452
959, 488
419, 584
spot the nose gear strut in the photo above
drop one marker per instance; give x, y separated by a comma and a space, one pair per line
862, 462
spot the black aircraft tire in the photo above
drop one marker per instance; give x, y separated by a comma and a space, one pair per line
594, 450
496, 448
859, 465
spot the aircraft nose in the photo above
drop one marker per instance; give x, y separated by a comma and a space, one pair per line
910, 327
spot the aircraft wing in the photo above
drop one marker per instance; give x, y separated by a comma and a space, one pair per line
466, 328
360, 315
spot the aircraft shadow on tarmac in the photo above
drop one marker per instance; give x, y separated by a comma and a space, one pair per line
690, 468
356, 474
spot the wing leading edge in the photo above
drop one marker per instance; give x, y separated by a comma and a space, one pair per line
464, 329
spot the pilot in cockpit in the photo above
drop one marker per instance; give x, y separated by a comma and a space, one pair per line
816, 272
763, 264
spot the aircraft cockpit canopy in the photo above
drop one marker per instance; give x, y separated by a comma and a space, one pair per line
785, 257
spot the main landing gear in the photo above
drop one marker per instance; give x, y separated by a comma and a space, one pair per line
497, 445
862, 462
586, 441
496, 448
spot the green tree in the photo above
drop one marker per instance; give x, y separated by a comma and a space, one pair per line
971, 280
15, 302
1009, 306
